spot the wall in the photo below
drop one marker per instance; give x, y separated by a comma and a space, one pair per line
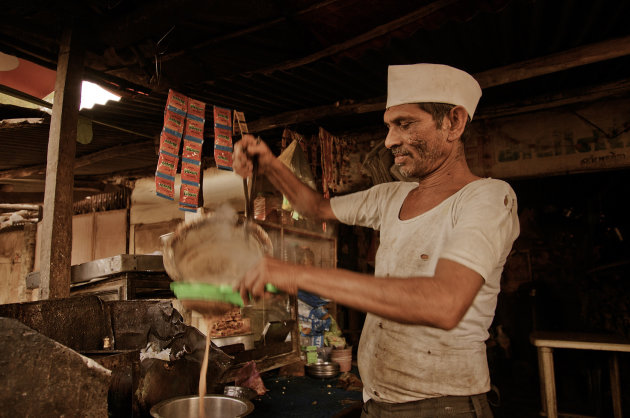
584, 138
95, 235
16, 261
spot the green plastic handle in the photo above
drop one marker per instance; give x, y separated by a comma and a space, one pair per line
216, 293
271, 288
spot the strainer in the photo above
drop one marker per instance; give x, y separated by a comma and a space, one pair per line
208, 257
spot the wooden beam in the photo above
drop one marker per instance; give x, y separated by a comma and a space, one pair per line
550, 101
314, 113
56, 238
243, 32
576, 57
7, 207
38, 197
378, 31
498, 76
115, 152
95, 157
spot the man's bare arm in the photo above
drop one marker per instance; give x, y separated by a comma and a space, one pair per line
440, 301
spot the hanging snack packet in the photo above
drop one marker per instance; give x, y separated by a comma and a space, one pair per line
223, 137
196, 110
169, 143
174, 123
223, 159
192, 150
193, 129
165, 187
167, 164
189, 195
177, 103
191, 172
222, 116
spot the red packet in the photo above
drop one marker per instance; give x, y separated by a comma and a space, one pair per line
222, 116
196, 110
173, 123
223, 159
189, 195
192, 150
167, 164
165, 187
194, 129
169, 142
177, 102
191, 173
222, 137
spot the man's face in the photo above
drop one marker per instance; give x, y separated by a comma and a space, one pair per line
419, 147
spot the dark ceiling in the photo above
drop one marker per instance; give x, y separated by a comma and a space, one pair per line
300, 63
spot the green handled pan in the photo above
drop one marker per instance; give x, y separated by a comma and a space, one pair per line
208, 257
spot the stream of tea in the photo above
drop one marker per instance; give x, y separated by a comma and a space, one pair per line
210, 320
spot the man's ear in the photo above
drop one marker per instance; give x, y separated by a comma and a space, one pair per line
458, 116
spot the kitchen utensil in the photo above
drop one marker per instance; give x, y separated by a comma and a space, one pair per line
208, 257
240, 392
215, 406
214, 250
324, 370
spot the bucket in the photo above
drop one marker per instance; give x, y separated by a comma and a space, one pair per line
215, 406
343, 356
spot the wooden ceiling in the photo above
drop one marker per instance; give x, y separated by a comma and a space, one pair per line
302, 63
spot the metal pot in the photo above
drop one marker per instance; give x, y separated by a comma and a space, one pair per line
215, 406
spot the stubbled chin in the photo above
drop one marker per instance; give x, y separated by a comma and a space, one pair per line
403, 171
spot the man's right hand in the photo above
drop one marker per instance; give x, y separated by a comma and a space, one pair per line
245, 151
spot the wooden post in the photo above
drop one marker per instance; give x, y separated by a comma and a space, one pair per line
56, 239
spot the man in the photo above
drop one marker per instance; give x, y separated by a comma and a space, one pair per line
443, 243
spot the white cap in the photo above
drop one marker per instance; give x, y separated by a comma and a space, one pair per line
432, 83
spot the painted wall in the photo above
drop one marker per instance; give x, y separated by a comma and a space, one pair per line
584, 138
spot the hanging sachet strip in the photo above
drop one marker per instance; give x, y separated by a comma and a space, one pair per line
170, 141
190, 190
184, 120
223, 147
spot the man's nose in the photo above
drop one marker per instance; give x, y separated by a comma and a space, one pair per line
392, 139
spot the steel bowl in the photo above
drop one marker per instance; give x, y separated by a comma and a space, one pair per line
215, 406
241, 392
323, 370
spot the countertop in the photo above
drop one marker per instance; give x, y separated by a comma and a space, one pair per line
306, 397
